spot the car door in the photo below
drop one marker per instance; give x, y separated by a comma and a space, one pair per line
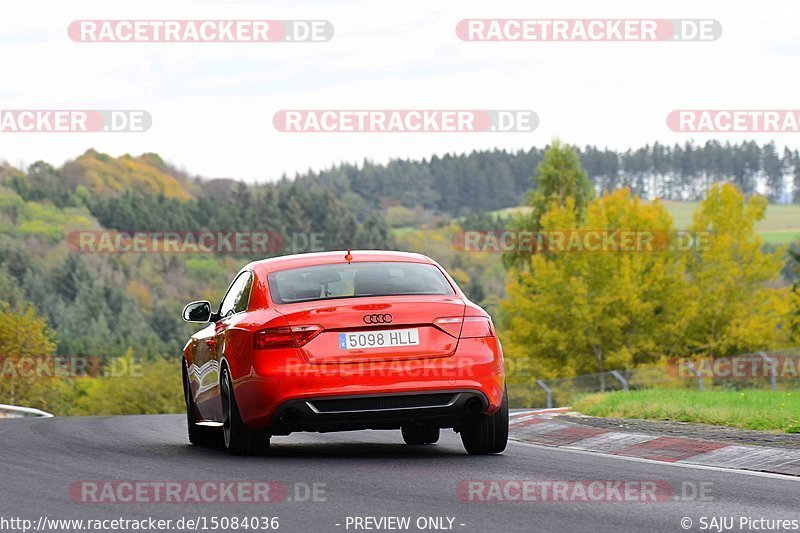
213, 344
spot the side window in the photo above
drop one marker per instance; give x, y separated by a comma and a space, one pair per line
244, 297
238, 295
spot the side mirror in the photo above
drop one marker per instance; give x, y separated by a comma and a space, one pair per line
197, 312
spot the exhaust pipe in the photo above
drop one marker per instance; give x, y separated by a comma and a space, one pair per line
290, 416
473, 406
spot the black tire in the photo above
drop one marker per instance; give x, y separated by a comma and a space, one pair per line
198, 435
237, 437
416, 434
484, 434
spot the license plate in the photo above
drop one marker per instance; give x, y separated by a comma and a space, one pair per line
379, 339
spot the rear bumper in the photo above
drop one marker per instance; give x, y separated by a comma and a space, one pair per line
316, 397
443, 409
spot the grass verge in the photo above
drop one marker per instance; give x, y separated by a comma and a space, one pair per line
750, 409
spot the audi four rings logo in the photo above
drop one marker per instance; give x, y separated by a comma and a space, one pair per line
377, 319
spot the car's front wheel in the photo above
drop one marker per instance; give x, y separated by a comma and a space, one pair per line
238, 438
484, 434
420, 434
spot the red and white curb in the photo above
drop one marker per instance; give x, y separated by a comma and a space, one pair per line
539, 427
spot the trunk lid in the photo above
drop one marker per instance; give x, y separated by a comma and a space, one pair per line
398, 316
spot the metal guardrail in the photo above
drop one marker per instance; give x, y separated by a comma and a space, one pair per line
13, 411
776, 370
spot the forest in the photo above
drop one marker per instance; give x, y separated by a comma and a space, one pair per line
124, 306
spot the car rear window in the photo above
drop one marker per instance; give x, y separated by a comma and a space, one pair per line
343, 280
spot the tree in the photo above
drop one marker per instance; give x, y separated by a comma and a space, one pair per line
24, 332
25, 341
773, 169
737, 308
795, 165
794, 321
151, 387
559, 179
581, 311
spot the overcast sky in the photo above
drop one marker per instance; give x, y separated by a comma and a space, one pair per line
212, 104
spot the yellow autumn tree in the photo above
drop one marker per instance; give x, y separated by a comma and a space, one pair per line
133, 386
592, 310
25, 339
740, 306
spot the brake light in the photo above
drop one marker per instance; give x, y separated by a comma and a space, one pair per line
303, 334
477, 326
467, 327
285, 337
449, 324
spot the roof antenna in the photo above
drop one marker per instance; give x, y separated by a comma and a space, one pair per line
348, 257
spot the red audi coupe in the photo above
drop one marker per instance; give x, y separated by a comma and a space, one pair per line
339, 341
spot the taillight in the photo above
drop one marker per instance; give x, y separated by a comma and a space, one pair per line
467, 327
477, 326
449, 324
303, 334
284, 337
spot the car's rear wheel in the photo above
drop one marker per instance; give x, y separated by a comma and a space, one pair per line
420, 434
485, 434
198, 435
238, 438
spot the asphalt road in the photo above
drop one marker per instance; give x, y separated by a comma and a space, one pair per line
365, 473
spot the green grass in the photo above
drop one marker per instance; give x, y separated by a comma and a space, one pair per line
682, 212
749, 409
781, 225
781, 237
403, 231
512, 211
